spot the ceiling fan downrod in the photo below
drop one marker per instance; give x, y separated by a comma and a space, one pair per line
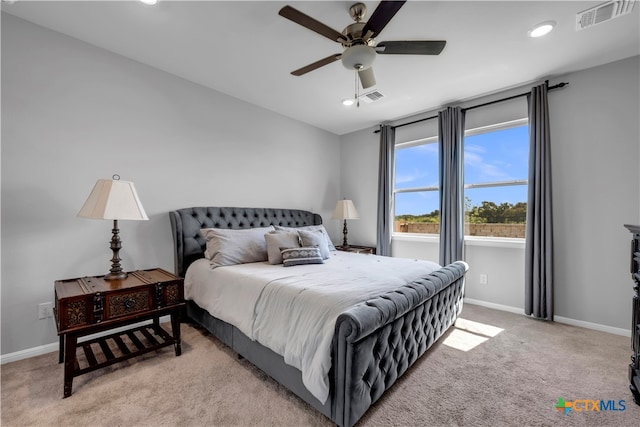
357, 86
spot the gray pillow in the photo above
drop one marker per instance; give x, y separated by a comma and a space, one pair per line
280, 239
227, 246
301, 256
311, 228
317, 239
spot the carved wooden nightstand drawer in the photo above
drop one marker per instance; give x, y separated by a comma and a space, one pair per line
127, 303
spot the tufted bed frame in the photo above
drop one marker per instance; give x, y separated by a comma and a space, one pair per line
374, 342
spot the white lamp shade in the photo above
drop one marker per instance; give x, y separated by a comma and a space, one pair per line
113, 199
345, 210
358, 57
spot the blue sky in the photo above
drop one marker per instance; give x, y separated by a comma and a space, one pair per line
489, 157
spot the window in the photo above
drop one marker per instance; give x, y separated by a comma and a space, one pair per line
495, 189
417, 202
496, 165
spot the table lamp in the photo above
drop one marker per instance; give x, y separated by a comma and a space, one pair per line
345, 210
114, 199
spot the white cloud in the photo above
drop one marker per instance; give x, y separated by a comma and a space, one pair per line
487, 171
410, 177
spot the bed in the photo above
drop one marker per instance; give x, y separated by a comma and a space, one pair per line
372, 343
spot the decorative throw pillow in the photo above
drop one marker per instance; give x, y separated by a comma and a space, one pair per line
311, 228
280, 239
301, 256
227, 246
315, 239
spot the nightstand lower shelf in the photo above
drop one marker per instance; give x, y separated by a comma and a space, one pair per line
120, 346
82, 357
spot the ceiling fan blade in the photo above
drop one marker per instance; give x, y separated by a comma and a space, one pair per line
410, 47
367, 78
310, 23
317, 64
381, 16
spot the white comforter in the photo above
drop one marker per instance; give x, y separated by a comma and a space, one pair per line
293, 310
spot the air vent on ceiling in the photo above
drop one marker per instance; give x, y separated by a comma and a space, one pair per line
603, 12
372, 96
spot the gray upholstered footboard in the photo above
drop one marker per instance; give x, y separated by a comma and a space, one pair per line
376, 341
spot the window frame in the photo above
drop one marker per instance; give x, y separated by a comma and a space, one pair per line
409, 144
434, 139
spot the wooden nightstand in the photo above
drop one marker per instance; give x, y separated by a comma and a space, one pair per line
87, 305
358, 249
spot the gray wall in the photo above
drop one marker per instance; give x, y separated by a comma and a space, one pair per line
596, 189
596, 184
73, 113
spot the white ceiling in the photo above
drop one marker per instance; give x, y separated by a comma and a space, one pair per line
246, 50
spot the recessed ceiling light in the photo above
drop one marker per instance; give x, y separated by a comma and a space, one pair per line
541, 29
149, 2
348, 101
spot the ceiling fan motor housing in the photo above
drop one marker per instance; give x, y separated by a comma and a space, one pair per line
358, 11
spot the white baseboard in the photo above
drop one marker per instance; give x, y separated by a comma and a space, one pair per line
48, 348
559, 319
500, 307
595, 326
30, 352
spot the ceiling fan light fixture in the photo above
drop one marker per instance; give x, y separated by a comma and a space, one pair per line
541, 29
358, 57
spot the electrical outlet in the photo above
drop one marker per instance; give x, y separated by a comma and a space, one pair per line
45, 310
484, 279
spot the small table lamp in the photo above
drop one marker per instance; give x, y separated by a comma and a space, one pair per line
345, 210
114, 199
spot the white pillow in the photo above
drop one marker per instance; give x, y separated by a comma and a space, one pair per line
315, 239
280, 239
227, 246
311, 228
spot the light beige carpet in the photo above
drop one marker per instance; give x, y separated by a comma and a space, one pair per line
511, 379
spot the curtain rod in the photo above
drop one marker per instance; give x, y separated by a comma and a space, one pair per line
558, 86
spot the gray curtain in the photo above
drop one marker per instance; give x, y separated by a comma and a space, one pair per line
385, 190
451, 163
539, 234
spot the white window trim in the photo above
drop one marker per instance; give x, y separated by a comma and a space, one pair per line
495, 242
415, 237
486, 241
416, 189
416, 142
497, 126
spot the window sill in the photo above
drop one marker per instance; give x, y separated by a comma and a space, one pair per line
494, 242
415, 237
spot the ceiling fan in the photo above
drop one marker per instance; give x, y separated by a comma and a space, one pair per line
358, 39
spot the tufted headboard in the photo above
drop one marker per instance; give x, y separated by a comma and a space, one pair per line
186, 224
